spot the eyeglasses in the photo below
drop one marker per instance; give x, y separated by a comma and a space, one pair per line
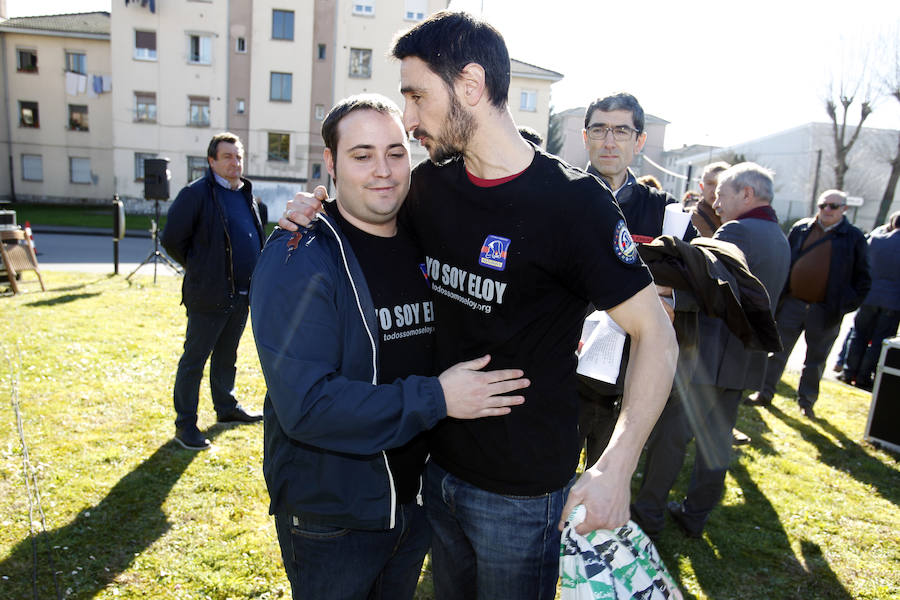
620, 133
830, 205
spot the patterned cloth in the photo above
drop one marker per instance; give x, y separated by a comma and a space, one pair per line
611, 565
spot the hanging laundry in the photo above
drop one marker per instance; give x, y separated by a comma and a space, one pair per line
97, 84
82, 83
107, 83
71, 83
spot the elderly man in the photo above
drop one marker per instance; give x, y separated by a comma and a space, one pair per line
496, 503
829, 278
724, 369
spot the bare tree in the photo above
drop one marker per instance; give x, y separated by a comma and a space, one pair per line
891, 83
847, 93
854, 88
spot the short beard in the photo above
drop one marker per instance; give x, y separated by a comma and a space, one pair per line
454, 135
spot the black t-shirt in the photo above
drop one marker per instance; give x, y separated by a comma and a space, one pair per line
513, 269
397, 284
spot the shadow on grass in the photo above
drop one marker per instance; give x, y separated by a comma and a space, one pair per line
846, 455
746, 553
103, 540
66, 299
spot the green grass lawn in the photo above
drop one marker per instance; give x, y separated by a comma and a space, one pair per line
80, 215
810, 511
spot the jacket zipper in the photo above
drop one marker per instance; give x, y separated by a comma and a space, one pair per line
393, 517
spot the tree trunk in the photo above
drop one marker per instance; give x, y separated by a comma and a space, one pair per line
888, 198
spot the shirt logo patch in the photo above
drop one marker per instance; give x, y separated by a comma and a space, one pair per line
626, 249
493, 252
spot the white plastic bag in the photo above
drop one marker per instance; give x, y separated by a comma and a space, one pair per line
612, 565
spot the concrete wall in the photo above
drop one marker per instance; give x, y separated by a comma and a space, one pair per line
174, 79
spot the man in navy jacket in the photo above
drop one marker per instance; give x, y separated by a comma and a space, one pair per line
214, 231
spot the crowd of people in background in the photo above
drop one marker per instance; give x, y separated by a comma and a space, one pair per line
405, 413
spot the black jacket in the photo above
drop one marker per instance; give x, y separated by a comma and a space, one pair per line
848, 276
196, 236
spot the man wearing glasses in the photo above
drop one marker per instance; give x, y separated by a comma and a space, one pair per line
829, 277
613, 136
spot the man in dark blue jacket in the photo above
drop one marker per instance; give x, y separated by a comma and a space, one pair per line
344, 325
214, 231
829, 278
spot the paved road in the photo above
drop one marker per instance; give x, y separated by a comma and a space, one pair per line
94, 254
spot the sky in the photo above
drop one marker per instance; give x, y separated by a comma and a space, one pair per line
720, 72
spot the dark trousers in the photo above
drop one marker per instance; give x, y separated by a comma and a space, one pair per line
703, 412
873, 323
793, 318
597, 417
218, 334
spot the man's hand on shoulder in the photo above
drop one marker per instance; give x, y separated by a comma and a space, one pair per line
302, 208
471, 393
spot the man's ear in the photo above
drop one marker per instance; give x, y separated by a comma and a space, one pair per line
329, 163
470, 84
639, 144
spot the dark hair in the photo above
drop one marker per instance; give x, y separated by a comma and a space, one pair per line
344, 107
447, 41
621, 101
531, 135
227, 137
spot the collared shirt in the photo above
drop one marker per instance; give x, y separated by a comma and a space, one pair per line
630, 180
827, 229
227, 184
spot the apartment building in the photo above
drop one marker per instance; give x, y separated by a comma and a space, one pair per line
176, 73
55, 132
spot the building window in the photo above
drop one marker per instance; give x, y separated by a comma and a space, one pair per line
282, 25
196, 167
139, 158
320, 112
317, 171
79, 170
145, 45
28, 114
528, 100
78, 117
364, 7
240, 45
199, 49
76, 62
279, 147
145, 106
415, 10
32, 167
280, 87
240, 106
26, 61
198, 113
321, 52
360, 63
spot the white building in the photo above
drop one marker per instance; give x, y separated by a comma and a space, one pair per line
793, 155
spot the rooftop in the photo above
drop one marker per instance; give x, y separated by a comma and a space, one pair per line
93, 23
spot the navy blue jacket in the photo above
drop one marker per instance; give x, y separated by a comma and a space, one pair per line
326, 422
848, 275
196, 236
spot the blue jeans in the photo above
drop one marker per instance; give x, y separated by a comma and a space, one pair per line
491, 546
793, 318
216, 333
354, 564
873, 324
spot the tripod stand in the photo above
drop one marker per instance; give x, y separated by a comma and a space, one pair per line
155, 255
